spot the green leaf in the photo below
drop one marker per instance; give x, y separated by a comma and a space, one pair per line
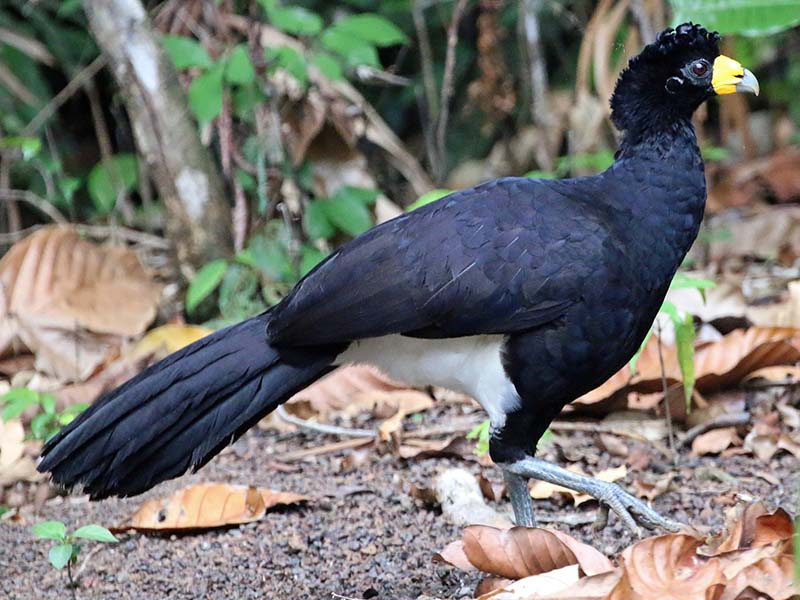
30, 146
186, 52
348, 214
205, 94
481, 433
295, 20
239, 69
48, 403
327, 65
538, 174
270, 256
316, 222
635, 359
684, 339
363, 195
111, 178
68, 414
427, 198
372, 28
50, 530
41, 426
96, 533
310, 258
17, 400
204, 283
684, 281
290, 60
60, 555
354, 50
745, 17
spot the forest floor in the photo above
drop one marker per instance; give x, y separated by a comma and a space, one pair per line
362, 535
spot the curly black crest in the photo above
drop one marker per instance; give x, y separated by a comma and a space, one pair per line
685, 36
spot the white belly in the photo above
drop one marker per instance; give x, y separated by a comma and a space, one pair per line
470, 365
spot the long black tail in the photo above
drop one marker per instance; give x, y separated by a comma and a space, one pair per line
180, 412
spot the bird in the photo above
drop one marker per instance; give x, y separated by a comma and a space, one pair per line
522, 293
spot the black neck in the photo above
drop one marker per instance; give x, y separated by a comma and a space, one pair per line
661, 139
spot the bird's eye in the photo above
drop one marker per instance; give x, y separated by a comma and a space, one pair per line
700, 68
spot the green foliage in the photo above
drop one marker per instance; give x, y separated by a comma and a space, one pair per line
372, 28
186, 52
353, 50
204, 283
239, 69
481, 433
295, 20
206, 93
66, 551
48, 421
428, 197
290, 60
30, 146
745, 17
112, 178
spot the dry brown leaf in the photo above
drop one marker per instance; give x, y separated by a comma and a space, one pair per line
69, 301
718, 364
741, 527
771, 576
536, 586
517, 552
169, 338
780, 374
594, 587
715, 441
541, 490
453, 554
458, 446
590, 560
772, 527
407, 402
666, 567
650, 491
208, 505
352, 388
15, 463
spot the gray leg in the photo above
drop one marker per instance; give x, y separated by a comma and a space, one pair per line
520, 499
632, 511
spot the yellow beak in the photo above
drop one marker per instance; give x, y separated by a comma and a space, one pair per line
729, 77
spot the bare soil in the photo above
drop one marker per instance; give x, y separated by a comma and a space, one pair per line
362, 536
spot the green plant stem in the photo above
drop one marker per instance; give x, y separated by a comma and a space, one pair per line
71, 581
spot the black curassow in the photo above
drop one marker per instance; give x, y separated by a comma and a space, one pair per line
522, 293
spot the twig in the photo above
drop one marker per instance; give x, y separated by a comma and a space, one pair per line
447, 85
430, 111
65, 94
97, 231
86, 560
540, 107
321, 427
718, 422
27, 196
667, 409
326, 449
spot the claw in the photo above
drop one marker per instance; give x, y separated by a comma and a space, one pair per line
632, 511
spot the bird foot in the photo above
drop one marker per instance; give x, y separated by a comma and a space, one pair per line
631, 510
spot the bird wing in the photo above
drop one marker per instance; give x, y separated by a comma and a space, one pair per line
504, 257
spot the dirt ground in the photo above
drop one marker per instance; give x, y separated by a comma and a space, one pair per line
362, 536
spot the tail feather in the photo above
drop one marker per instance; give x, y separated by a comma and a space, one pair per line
180, 412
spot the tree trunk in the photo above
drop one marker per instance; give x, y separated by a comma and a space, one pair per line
198, 216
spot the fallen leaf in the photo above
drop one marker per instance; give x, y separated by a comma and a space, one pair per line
594, 587
169, 338
457, 446
772, 527
773, 577
650, 491
741, 527
666, 567
517, 552
453, 554
70, 301
779, 375
612, 444
590, 560
208, 505
536, 586
15, 463
541, 490
715, 441
407, 402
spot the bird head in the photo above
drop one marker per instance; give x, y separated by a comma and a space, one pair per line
668, 80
